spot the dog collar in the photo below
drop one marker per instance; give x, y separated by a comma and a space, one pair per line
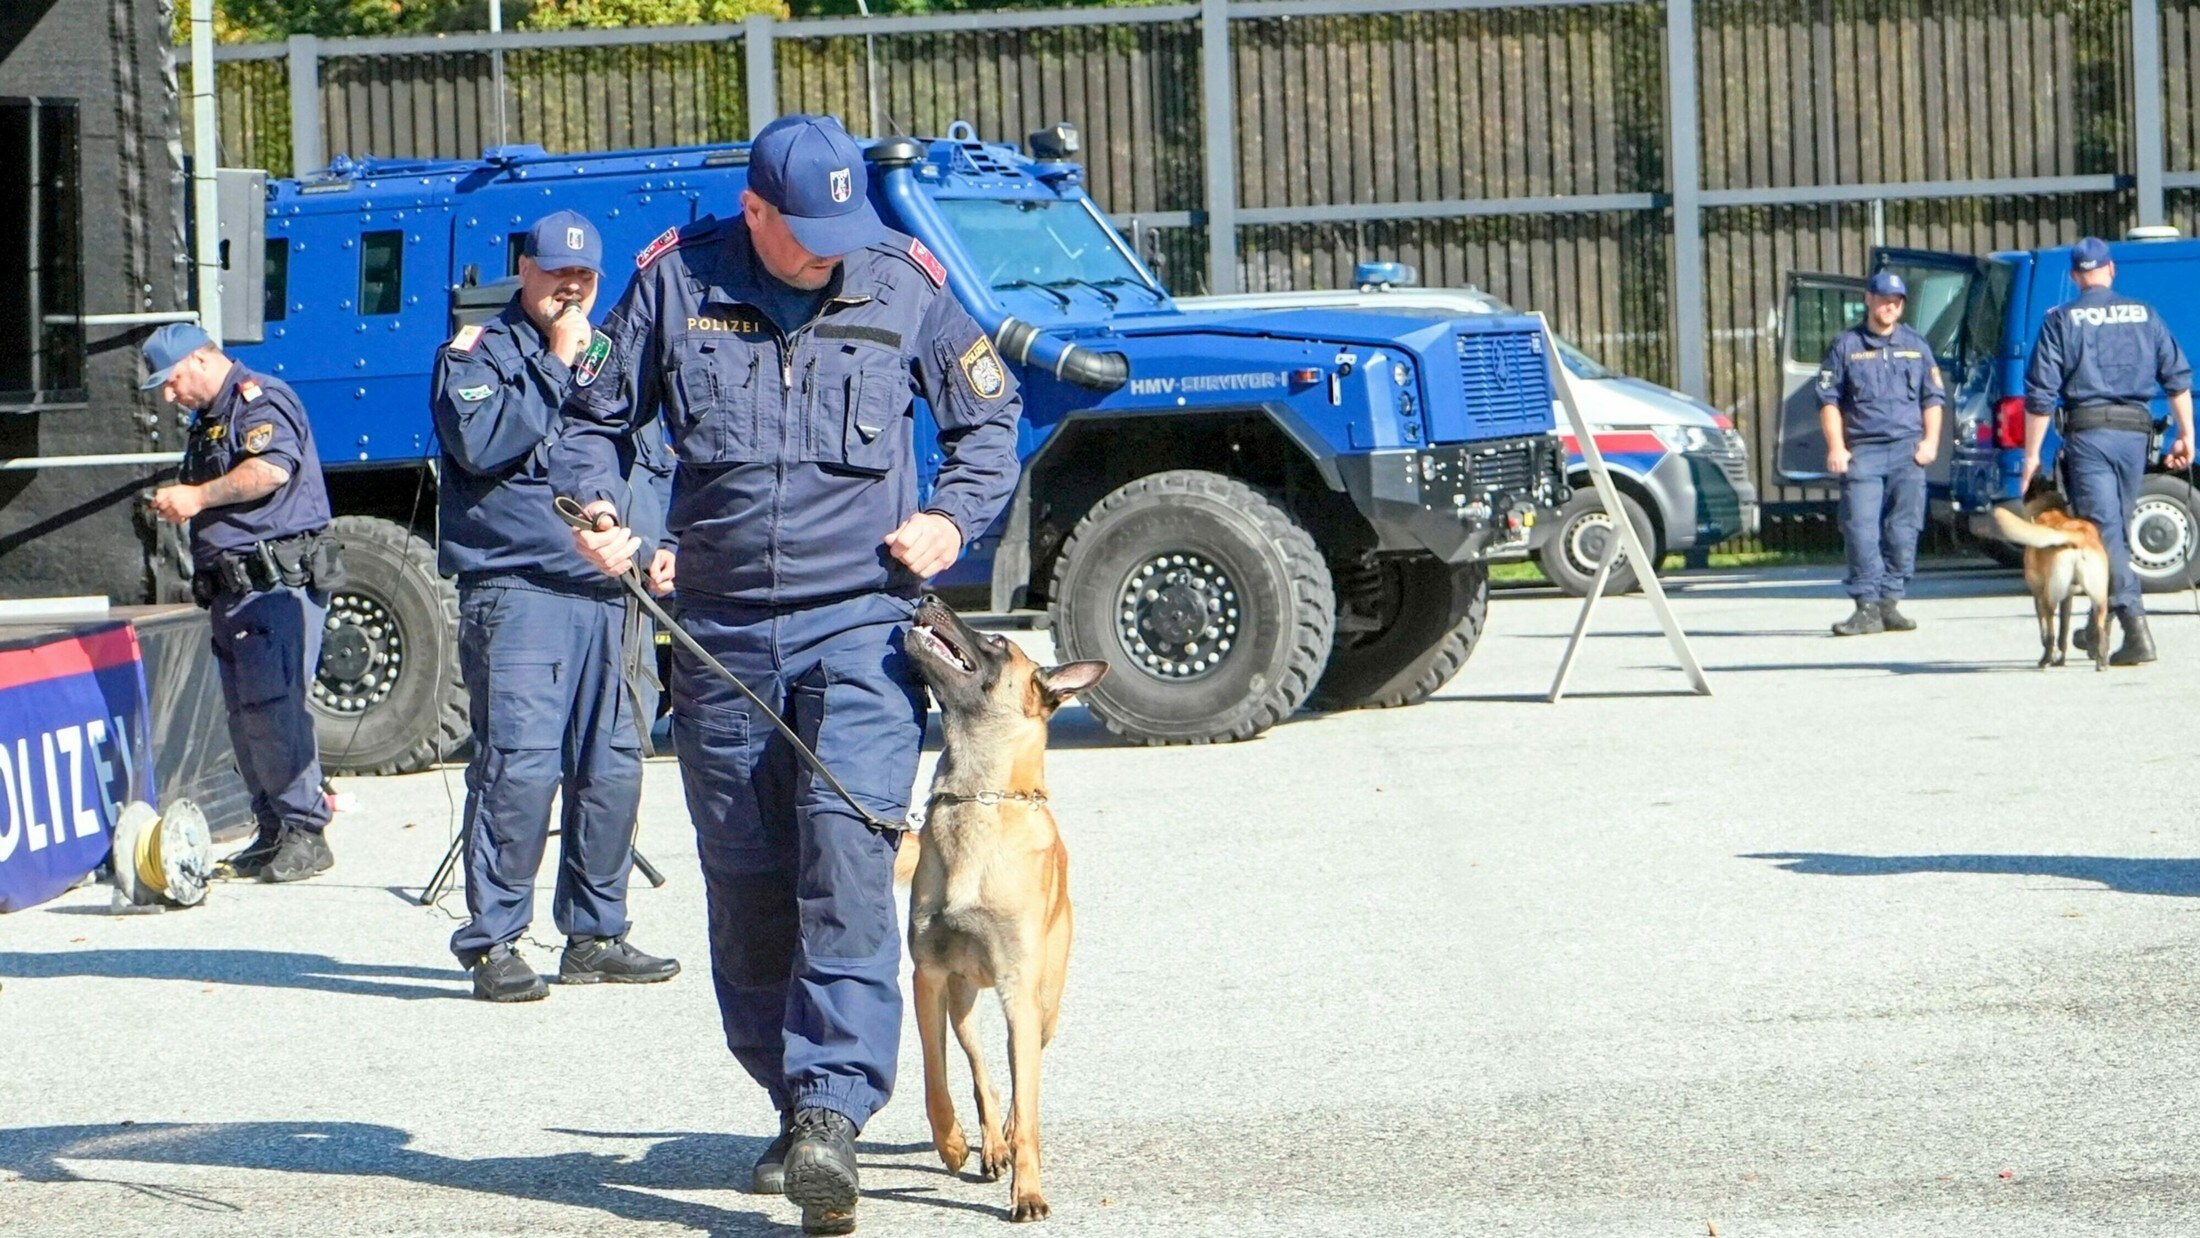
988, 798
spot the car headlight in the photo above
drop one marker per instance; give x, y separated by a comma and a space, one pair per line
1683, 438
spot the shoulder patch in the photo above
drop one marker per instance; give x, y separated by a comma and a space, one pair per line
257, 438
468, 336
982, 366
591, 360
249, 390
475, 395
656, 249
927, 263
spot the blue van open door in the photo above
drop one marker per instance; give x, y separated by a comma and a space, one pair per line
1818, 307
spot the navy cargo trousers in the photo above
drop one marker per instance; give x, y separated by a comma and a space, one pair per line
1882, 515
2102, 471
267, 648
550, 714
805, 948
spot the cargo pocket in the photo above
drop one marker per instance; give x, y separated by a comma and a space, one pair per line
860, 418
526, 696
715, 400
263, 673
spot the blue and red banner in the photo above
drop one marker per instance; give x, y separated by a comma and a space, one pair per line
73, 751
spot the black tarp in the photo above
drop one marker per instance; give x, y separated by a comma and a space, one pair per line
81, 530
192, 758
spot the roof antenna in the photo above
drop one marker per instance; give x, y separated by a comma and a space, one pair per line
870, 73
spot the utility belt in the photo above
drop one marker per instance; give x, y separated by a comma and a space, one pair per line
308, 560
2108, 417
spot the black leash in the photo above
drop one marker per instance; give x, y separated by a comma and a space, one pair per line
571, 513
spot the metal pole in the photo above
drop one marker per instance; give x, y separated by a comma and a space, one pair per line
870, 64
1220, 145
1879, 223
1684, 163
33, 308
2146, 106
763, 71
496, 62
305, 105
205, 154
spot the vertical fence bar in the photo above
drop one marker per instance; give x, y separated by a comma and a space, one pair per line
1219, 100
1684, 176
2146, 106
305, 105
762, 70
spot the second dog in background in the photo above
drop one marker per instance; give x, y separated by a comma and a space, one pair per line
2063, 556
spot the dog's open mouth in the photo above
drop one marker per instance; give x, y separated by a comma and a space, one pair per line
942, 649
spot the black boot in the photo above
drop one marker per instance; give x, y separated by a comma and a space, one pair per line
299, 854
502, 975
2138, 646
588, 960
245, 865
1863, 622
1891, 618
821, 1171
769, 1175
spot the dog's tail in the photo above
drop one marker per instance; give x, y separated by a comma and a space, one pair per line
2015, 528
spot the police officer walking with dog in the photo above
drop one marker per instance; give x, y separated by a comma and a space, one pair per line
782, 348
263, 565
2100, 357
547, 646
1880, 398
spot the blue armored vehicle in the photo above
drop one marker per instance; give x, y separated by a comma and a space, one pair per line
1245, 512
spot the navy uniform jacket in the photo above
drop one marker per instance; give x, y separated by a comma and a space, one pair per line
1881, 383
498, 388
795, 453
2103, 348
254, 415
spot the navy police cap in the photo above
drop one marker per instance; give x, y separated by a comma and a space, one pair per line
167, 348
565, 239
809, 168
1886, 284
2090, 254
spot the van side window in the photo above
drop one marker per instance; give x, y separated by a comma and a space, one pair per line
381, 267
515, 244
275, 296
1820, 314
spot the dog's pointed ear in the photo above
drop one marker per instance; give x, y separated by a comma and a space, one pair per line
1070, 678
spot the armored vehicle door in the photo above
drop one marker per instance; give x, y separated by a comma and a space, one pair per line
1818, 307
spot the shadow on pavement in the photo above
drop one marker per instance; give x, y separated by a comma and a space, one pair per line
272, 968
1892, 668
2179, 878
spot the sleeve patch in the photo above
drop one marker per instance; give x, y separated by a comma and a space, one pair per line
655, 249
591, 361
258, 438
930, 265
250, 391
982, 366
474, 395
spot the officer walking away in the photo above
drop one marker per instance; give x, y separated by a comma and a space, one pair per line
1879, 400
782, 348
263, 565
545, 641
2101, 357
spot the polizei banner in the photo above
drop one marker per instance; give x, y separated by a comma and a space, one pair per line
73, 726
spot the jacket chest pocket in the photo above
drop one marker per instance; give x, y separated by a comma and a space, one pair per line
204, 460
858, 410
715, 398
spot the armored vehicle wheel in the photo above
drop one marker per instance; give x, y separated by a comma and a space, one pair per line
1213, 605
1404, 627
1584, 528
2165, 533
388, 698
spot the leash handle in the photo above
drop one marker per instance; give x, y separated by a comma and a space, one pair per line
570, 511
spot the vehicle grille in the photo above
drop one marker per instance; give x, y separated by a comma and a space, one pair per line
1507, 469
1504, 381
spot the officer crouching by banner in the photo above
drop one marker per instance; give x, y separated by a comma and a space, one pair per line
2101, 356
264, 566
545, 641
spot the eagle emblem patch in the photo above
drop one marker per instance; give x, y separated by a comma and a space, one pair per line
982, 366
591, 360
650, 253
257, 438
932, 268
842, 184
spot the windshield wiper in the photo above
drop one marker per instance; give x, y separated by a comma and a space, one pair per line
1056, 293
1116, 281
1097, 290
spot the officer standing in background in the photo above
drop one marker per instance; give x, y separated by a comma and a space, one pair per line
1880, 398
2101, 357
251, 490
782, 349
545, 641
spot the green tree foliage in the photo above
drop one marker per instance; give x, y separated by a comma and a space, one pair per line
271, 21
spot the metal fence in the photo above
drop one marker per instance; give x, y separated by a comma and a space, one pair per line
1646, 172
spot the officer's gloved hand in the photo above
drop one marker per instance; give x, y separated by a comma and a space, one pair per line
610, 547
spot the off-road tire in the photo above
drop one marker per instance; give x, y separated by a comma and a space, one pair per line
1568, 563
1284, 604
2167, 511
423, 718
1435, 613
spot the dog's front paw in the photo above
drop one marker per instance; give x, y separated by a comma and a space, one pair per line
1032, 1207
953, 1150
993, 1161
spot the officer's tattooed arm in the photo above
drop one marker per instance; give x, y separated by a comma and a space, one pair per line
254, 478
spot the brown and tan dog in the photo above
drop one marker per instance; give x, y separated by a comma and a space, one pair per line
2063, 556
989, 899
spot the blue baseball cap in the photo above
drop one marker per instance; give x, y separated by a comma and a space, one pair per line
1886, 284
168, 347
565, 239
2090, 254
809, 168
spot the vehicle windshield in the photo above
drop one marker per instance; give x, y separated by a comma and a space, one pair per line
1577, 363
1936, 304
1982, 334
1027, 242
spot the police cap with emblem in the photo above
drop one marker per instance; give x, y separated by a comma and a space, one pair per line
167, 349
809, 168
1886, 284
2090, 254
565, 239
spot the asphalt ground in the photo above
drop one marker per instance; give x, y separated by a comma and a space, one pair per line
1892, 935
